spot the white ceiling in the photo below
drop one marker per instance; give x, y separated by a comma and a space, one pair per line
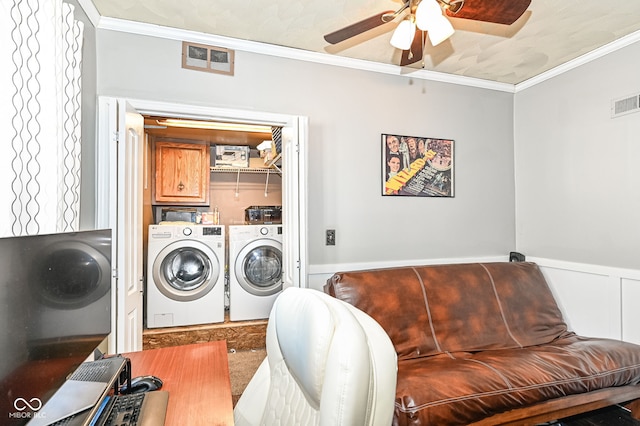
549, 34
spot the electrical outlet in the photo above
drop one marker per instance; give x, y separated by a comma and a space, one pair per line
331, 237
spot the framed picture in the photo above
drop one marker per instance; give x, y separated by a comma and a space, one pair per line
417, 166
207, 58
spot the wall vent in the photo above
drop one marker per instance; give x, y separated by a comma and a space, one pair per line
625, 106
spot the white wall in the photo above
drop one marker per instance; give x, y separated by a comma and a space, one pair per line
577, 169
578, 192
348, 110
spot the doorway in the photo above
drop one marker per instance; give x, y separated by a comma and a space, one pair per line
294, 181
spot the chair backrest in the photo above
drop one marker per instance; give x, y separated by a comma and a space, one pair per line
327, 364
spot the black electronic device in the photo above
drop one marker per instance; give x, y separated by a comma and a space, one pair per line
55, 309
142, 384
514, 256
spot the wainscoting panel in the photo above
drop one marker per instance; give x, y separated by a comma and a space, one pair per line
598, 301
590, 302
631, 310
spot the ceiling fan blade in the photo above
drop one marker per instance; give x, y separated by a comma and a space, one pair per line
357, 28
414, 54
497, 11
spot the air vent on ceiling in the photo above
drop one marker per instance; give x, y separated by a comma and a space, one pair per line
624, 106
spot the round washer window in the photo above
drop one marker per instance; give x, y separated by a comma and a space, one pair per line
263, 267
186, 269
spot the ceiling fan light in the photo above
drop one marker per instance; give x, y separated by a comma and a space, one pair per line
440, 30
403, 35
427, 12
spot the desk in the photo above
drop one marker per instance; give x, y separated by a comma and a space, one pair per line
197, 379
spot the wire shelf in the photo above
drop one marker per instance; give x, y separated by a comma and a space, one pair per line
254, 170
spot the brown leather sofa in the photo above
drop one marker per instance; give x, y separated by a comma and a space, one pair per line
486, 344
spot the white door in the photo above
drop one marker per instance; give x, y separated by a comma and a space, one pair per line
294, 141
119, 207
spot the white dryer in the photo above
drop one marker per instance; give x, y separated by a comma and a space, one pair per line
185, 275
255, 270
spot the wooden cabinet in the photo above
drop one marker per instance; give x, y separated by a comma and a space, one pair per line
181, 173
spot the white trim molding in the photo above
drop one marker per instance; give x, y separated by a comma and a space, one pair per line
91, 11
152, 30
581, 60
115, 24
319, 274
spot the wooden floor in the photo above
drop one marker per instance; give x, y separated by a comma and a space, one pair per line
240, 335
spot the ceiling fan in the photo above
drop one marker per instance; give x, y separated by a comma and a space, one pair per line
422, 17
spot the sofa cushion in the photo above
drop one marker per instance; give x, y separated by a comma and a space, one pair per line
460, 388
430, 310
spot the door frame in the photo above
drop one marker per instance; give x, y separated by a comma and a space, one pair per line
296, 130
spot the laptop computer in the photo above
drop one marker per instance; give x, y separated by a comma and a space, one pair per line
90, 396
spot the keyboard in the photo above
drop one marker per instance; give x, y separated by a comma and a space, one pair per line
137, 409
105, 407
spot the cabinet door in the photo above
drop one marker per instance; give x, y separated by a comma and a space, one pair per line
181, 173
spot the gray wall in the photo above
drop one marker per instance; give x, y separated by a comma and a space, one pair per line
89, 88
577, 169
348, 111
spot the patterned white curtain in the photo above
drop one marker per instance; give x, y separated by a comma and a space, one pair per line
40, 104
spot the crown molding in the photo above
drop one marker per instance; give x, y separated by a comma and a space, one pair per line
580, 60
91, 11
152, 30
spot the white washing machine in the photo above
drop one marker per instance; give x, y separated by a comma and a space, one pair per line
185, 278
255, 270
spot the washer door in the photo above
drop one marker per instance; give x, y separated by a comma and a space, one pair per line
258, 267
186, 270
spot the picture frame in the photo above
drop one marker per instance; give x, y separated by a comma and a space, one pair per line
202, 57
417, 166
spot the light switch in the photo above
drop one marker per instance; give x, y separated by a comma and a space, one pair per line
331, 237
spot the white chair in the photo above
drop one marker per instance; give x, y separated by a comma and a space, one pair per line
327, 363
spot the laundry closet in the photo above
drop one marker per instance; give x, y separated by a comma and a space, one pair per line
213, 215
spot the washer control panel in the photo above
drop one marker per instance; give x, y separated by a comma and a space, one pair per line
212, 230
